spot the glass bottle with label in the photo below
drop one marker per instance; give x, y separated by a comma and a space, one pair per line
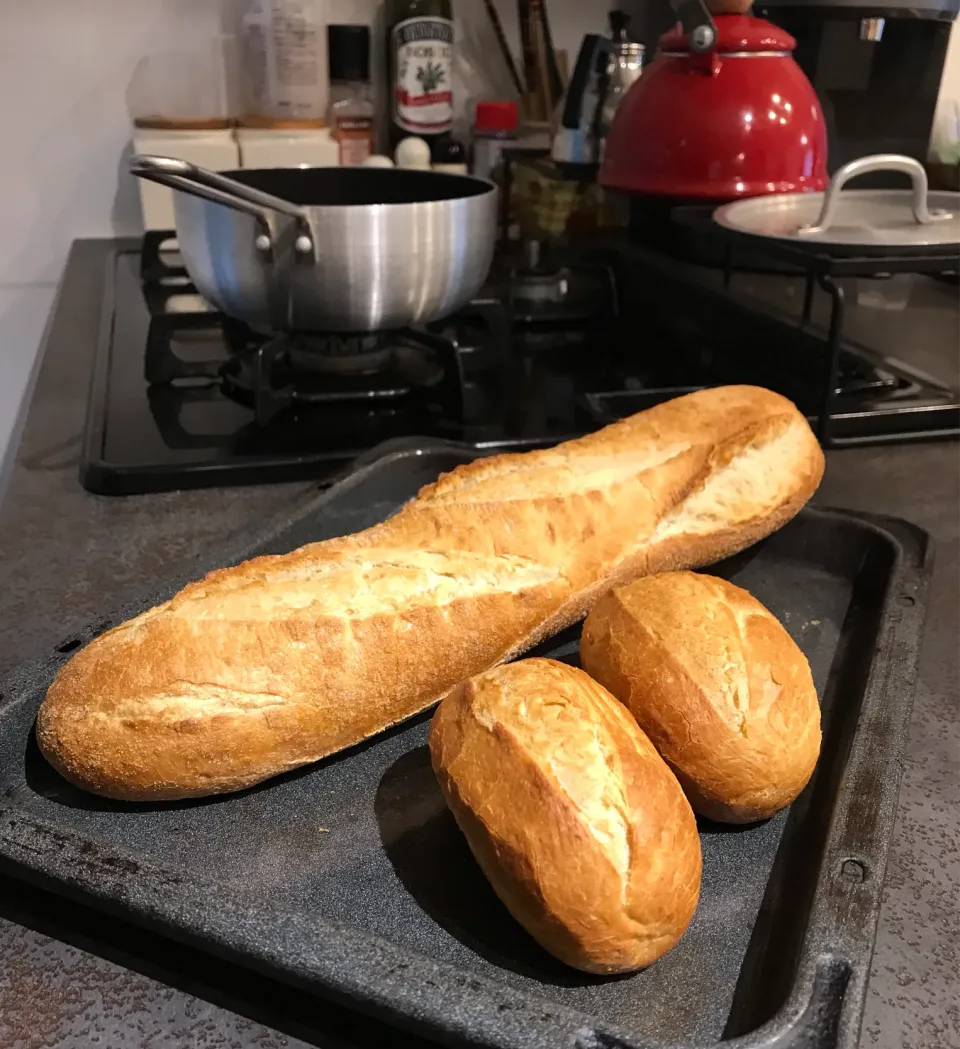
420, 68
352, 109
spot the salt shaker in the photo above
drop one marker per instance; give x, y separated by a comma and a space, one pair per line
494, 128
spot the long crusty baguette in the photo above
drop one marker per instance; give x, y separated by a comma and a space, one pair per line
283, 660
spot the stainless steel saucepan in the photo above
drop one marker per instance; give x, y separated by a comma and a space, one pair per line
330, 249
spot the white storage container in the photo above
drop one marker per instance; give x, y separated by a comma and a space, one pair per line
283, 61
181, 106
287, 148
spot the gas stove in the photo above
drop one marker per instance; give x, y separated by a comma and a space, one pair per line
184, 397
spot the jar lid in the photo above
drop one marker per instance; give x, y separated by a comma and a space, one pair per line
286, 133
348, 51
735, 33
496, 116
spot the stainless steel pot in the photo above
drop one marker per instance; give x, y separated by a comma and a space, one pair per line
330, 249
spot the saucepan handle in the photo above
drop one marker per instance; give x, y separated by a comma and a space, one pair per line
212, 186
879, 162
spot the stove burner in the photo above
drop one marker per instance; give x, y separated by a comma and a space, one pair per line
340, 354
222, 404
536, 282
292, 371
857, 378
536, 287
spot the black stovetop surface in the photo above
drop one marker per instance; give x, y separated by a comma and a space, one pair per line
493, 376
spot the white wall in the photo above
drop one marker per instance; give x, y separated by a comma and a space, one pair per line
948, 101
23, 316
64, 70
569, 20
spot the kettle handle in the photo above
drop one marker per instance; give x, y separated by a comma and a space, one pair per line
699, 26
592, 47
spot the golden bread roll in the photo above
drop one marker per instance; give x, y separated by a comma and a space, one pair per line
575, 819
283, 660
718, 685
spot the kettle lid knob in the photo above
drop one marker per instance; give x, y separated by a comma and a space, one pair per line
619, 20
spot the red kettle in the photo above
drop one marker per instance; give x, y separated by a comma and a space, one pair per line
739, 120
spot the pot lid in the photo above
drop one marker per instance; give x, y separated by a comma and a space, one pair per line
735, 33
868, 219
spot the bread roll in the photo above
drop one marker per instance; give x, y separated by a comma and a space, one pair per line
283, 660
718, 685
575, 819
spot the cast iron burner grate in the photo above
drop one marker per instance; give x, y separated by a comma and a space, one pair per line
856, 378
821, 267
311, 371
184, 397
271, 373
160, 258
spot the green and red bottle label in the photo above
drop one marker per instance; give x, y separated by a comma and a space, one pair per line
423, 82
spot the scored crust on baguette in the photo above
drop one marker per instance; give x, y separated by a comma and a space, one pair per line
278, 662
574, 818
264, 669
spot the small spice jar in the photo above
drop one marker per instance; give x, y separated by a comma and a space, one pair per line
352, 114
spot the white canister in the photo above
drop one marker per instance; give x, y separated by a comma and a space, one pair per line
214, 149
287, 148
283, 59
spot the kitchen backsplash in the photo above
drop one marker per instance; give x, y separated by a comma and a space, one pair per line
65, 67
64, 71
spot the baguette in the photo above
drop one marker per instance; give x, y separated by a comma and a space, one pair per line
283, 660
577, 822
718, 685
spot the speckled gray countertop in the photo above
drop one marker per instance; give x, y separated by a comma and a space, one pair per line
71, 978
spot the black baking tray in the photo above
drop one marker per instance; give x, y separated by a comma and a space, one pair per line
349, 878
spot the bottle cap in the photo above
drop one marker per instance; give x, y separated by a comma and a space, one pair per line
447, 150
348, 47
412, 152
496, 116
